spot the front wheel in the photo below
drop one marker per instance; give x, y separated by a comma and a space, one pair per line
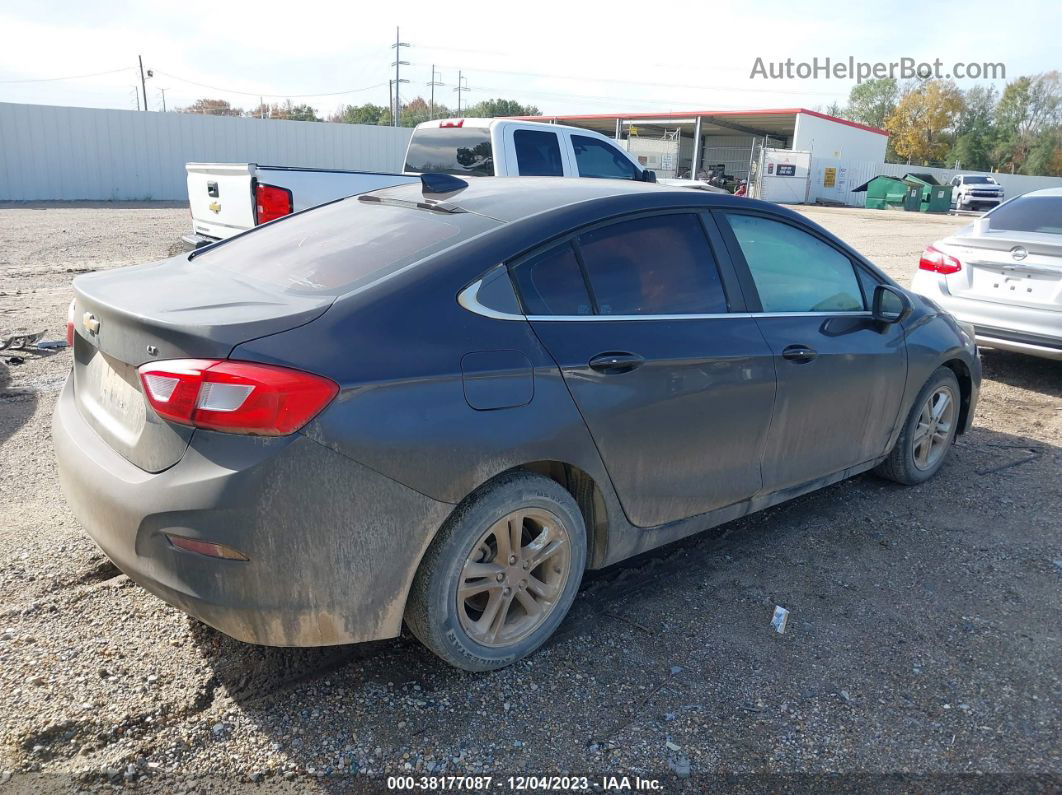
928, 433
501, 575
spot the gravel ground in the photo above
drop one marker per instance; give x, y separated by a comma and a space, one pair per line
923, 637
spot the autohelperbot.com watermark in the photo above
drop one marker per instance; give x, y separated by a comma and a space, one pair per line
851, 69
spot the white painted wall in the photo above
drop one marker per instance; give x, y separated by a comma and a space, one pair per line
826, 138
59, 153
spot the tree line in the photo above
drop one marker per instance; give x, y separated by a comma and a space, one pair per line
413, 112
935, 123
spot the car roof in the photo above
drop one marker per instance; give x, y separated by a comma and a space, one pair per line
513, 198
1044, 192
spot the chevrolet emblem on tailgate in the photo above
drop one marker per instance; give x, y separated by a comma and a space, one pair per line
215, 207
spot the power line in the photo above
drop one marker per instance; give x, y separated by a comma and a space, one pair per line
260, 94
591, 79
70, 77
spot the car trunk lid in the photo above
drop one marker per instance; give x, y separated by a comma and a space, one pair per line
1022, 269
174, 309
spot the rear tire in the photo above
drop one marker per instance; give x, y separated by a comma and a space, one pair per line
928, 432
501, 574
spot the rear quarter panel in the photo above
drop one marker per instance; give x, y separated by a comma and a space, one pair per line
403, 352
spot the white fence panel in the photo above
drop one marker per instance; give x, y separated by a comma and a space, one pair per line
1013, 184
59, 153
848, 174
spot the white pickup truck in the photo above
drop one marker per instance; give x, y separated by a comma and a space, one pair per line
975, 192
229, 198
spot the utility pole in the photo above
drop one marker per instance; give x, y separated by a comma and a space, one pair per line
462, 86
433, 83
398, 62
163, 91
143, 84
136, 90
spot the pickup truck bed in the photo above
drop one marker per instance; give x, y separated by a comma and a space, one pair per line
224, 197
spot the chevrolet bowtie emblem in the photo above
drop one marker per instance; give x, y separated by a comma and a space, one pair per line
92, 323
215, 207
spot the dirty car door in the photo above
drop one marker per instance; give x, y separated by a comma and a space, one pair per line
841, 374
675, 388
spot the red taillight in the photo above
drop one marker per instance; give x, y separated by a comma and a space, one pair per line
453, 123
938, 262
208, 548
70, 324
271, 202
235, 397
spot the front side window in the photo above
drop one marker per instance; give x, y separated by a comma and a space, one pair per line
551, 283
794, 271
656, 265
538, 153
597, 158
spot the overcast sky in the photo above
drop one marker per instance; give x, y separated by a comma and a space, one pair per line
565, 57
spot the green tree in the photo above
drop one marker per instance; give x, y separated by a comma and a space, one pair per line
872, 102
1045, 155
1029, 107
212, 107
490, 108
975, 130
361, 114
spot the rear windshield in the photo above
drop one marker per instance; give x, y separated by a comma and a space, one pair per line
1029, 214
465, 151
341, 246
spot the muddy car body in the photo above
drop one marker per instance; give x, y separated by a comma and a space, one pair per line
517, 354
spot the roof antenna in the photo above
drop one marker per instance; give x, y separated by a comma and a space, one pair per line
441, 183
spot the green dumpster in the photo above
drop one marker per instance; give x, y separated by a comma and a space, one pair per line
934, 197
912, 200
883, 191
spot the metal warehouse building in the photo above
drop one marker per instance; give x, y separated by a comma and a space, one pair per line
791, 154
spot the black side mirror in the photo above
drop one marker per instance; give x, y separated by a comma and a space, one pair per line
648, 176
891, 305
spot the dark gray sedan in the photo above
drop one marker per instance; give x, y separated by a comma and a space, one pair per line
440, 403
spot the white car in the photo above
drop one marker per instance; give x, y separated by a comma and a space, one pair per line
975, 192
1003, 275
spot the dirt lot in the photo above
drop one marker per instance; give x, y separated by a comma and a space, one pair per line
924, 634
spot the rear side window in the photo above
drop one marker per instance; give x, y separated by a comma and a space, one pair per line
657, 265
465, 151
1029, 214
552, 283
341, 246
793, 270
597, 158
538, 153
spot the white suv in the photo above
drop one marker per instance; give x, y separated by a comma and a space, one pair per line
975, 192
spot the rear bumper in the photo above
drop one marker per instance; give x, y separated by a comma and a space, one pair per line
1021, 329
194, 241
331, 545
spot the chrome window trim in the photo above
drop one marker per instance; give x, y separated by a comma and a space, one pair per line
468, 299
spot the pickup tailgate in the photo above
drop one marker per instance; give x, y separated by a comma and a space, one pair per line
173, 309
221, 198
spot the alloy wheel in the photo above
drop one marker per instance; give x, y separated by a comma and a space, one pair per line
514, 577
932, 434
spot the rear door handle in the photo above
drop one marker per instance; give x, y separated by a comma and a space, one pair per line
801, 354
616, 363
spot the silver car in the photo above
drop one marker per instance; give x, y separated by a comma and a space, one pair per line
1003, 275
